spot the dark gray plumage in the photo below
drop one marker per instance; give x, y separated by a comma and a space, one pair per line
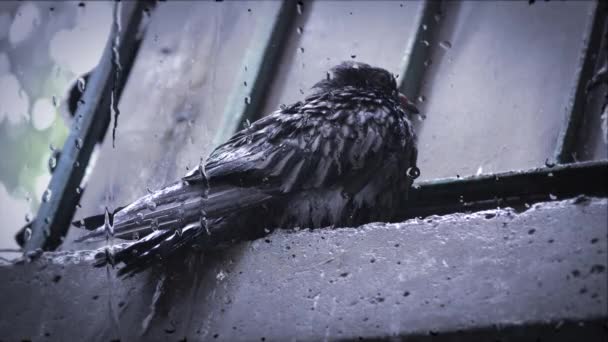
344, 156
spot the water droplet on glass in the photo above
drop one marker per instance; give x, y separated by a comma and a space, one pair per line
549, 163
421, 99
428, 62
46, 196
300, 7
437, 17
328, 76
353, 56
76, 164
413, 172
301, 49
426, 42
552, 197
479, 170
154, 224
245, 83
247, 123
445, 45
52, 163
27, 234
220, 276
78, 143
81, 84
424, 27
300, 30
247, 100
78, 190
151, 205
55, 102
139, 218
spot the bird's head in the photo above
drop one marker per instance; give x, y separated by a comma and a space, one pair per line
364, 76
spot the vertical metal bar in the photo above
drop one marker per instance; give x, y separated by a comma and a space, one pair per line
90, 124
259, 65
418, 48
574, 111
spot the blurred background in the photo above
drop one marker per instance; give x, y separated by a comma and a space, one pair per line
497, 86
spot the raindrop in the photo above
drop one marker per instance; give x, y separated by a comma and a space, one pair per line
301, 49
154, 224
424, 27
245, 83
76, 164
549, 163
51, 147
52, 163
135, 236
353, 56
428, 62
78, 143
421, 99
46, 196
27, 233
426, 42
108, 228
151, 205
81, 84
78, 190
479, 170
437, 17
300, 30
28, 219
139, 218
55, 102
445, 45
300, 7
247, 123
413, 172
247, 100
552, 197
328, 76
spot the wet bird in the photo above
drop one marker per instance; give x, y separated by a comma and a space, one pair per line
344, 156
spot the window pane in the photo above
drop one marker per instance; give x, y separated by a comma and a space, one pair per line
496, 99
374, 32
44, 47
174, 100
593, 134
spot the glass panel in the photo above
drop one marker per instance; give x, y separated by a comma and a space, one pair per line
174, 100
497, 85
329, 32
593, 135
44, 47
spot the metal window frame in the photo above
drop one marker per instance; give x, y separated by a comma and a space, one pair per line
430, 197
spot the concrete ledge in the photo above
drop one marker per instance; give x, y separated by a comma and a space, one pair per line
501, 274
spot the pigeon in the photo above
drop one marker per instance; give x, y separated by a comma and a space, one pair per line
342, 157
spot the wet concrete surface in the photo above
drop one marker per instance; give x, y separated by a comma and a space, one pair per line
537, 274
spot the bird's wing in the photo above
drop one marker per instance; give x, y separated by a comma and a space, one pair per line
314, 147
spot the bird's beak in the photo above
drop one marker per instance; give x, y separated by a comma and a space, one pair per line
407, 105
